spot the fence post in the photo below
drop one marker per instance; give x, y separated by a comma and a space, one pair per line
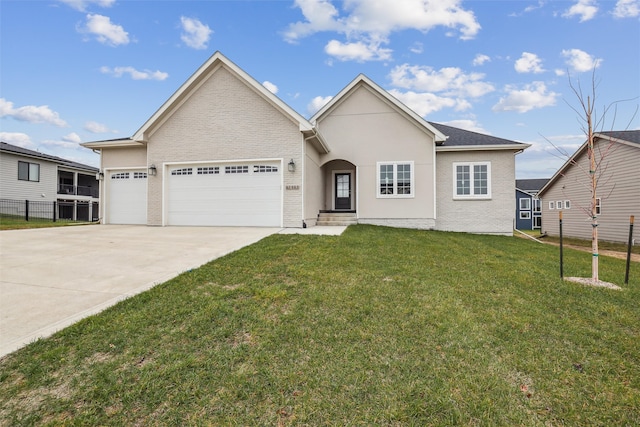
54, 211
561, 260
26, 210
626, 274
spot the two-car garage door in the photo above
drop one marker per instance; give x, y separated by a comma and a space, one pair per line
202, 194
220, 194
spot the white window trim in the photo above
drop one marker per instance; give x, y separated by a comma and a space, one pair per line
471, 196
395, 194
525, 215
528, 204
552, 205
567, 204
559, 204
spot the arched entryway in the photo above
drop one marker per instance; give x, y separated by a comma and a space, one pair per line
340, 186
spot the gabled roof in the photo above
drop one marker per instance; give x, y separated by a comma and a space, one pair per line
14, 149
626, 137
531, 185
217, 60
364, 80
460, 139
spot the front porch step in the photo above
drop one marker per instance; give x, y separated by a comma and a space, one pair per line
337, 218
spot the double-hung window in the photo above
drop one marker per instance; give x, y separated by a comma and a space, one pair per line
28, 171
396, 179
472, 180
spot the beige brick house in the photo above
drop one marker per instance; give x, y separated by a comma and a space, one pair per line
224, 151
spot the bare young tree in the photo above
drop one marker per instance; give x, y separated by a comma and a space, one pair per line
592, 124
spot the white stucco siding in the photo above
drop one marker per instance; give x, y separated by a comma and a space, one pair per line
226, 119
619, 189
364, 129
12, 188
313, 200
490, 216
124, 157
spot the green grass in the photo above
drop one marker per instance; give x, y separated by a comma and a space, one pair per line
602, 244
14, 222
376, 327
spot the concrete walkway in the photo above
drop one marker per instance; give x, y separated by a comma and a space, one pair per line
52, 277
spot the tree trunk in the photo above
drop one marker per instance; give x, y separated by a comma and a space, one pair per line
594, 199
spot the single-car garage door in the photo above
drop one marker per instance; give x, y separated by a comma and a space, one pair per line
219, 194
127, 197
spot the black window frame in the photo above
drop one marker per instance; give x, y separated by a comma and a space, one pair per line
27, 177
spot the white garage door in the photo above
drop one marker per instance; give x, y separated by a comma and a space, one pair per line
127, 197
238, 194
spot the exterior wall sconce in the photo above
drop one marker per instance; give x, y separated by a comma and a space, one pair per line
100, 176
152, 170
291, 165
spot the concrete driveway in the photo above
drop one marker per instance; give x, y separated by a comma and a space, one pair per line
52, 277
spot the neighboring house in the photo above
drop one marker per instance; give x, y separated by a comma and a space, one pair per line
39, 178
224, 151
528, 210
618, 191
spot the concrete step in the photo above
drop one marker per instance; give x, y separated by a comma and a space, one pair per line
337, 218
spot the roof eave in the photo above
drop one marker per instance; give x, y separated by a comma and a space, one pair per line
498, 147
112, 144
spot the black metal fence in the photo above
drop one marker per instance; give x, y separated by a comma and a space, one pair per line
59, 210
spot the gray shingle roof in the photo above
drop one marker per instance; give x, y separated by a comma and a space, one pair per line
626, 135
461, 137
5, 147
531, 185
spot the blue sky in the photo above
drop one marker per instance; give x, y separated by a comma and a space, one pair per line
74, 71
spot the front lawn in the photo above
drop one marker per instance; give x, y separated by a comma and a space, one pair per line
376, 327
17, 222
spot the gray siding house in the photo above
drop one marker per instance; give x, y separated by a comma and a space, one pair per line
27, 175
568, 191
224, 151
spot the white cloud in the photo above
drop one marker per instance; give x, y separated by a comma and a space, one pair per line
358, 51
627, 9
317, 103
17, 138
195, 34
71, 141
451, 81
367, 24
417, 48
529, 63
95, 127
104, 30
31, 113
585, 9
481, 59
81, 5
580, 61
270, 87
531, 96
135, 74
425, 103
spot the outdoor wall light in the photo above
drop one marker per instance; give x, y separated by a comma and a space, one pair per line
291, 165
100, 176
152, 170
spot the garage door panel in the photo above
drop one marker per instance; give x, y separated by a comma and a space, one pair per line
127, 197
253, 198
